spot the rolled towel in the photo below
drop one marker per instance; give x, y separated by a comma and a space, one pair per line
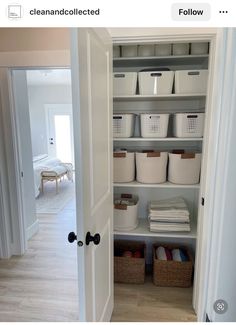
179, 255
163, 254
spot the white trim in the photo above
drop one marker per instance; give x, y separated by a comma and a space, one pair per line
15, 233
209, 166
4, 238
227, 95
32, 230
164, 38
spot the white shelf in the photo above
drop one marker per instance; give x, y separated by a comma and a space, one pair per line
162, 185
157, 139
143, 231
158, 97
153, 60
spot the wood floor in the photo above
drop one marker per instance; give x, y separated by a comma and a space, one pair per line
148, 303
42, 285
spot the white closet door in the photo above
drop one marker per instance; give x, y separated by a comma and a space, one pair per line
92, 113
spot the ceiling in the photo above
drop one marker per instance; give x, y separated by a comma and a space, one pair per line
48, 77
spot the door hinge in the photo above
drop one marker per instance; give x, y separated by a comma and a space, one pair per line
203, 201
22, 174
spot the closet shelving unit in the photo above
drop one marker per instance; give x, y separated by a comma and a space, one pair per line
173, 103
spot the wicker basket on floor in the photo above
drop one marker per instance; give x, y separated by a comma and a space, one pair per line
129, 269
172, 273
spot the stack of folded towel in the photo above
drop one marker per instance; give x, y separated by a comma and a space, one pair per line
169, 215
166, 254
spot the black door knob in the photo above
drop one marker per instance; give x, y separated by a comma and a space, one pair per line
72, 237
96, 238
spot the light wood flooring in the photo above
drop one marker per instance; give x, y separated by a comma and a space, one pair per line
42, 284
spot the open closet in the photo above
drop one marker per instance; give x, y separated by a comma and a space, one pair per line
159, 107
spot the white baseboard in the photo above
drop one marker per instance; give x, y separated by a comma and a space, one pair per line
32, 230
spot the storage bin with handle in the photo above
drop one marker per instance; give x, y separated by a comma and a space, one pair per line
172, 273
156, 82
129, 50
184, 168
124, 83
116, 51
163, 49
199, 48
123, 166
154, 125
188, 125
125, 212
146, 50
123, 125
129, 269
191, 81
180, 48
151, 167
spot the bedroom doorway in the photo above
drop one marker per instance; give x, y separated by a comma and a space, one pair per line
43, 105
46, 190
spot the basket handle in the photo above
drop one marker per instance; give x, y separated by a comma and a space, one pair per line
193, 73
119, 154
153, 154
119, 75
156, 74
178, 151
192, 116
187, 155
120, 206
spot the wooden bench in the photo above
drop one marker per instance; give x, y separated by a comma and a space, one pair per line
54, 176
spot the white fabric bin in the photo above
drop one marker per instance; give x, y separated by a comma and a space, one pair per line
188, 125
116, 51
123, 167
129, 50
154, 125
181, 49
123, 125
184, 168
199, 48
146, 50
156, 82
124, 83
163, 49
191, 81
151, 167
125, 212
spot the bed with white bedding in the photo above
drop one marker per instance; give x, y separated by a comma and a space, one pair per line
49, 164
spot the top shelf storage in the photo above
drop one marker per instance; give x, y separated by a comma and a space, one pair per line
160, 60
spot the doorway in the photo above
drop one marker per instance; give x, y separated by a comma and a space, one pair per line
50, 262
60, 131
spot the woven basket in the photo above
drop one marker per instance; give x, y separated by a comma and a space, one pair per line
172, 273
129, 269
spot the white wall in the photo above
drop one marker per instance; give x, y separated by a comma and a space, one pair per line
40, 95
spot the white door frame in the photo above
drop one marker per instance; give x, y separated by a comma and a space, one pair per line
213, 102
210, 161
12, 230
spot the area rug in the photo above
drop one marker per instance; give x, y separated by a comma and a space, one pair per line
50, 202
